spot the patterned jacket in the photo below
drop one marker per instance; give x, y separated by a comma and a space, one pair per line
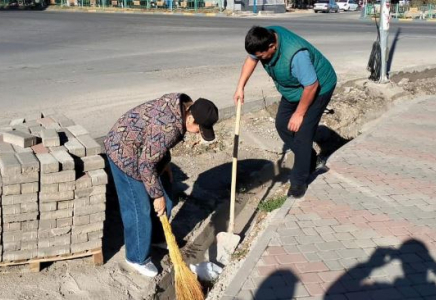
140, 140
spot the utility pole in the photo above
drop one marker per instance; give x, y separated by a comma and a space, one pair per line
384, 34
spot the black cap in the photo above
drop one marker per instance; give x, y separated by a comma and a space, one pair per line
205, 114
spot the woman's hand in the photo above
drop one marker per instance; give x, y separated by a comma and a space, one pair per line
159, 206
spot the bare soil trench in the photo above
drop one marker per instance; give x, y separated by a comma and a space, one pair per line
202, 175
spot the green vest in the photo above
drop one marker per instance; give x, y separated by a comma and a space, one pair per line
279, 67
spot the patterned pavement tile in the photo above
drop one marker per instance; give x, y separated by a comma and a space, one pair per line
366, 229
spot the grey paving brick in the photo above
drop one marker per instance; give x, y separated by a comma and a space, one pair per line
17, 199
288, 240
67, 186
47, 224
21, 178
96, 199
328, 255
351, 253
93, 244
87, 228
48, 163
312, 257
83, 182
63, 222
348, 262
306, 240
29, 188
329, 237
13, 189
19, 255
343, 236
98, 177
6, 148
79, 238
62, 120
386, 241
96, 190
75, 147
29, 207
97, 217
81, 220
9, 165
344, 228
95, 235
290, 232
324, 229
58, 177
65, 204
386, 294
94, 162
91, 146
77, 130
309, 248
326, 246
57, 214
28, 160
54, 251
50, 188
19, 138
54, 197
65, 160
50, 138
48, 206
61, 240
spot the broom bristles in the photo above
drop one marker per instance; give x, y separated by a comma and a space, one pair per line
187, 285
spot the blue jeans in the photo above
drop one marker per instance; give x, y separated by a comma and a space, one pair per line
137, 213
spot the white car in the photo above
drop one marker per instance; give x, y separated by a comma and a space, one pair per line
348, 5
326, 6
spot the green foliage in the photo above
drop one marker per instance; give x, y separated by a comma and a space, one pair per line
240, 254
272, 204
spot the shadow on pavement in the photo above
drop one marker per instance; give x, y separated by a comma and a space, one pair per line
280, 284
415, 282
416, 263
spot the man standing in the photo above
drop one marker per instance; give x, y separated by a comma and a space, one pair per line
305, 79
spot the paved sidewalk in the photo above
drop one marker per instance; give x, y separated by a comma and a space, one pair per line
365, 230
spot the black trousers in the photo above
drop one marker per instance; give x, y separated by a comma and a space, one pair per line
301, 142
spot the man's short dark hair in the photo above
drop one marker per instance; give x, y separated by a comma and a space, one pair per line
258, 39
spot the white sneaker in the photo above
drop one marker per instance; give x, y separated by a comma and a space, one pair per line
148, 269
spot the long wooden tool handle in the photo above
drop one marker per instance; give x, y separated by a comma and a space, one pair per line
234, 168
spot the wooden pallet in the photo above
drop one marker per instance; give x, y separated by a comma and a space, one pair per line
35, 263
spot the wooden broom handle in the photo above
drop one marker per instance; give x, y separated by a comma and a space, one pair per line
234, 168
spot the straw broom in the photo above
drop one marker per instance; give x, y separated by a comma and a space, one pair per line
187, 285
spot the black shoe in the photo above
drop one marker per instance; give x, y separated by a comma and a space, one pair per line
297, 191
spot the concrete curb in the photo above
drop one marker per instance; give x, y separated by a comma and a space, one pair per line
393, 20
137, 11
259, 248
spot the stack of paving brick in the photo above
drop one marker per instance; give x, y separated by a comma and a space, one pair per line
53, 189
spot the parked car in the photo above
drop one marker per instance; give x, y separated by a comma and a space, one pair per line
348, 5
326, 6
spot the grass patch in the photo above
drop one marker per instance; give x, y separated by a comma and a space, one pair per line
272, 204
240, 254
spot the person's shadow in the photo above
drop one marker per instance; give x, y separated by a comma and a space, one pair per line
279, 285
209, 200
416, 263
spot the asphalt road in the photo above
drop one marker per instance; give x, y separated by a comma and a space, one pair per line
93, 67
